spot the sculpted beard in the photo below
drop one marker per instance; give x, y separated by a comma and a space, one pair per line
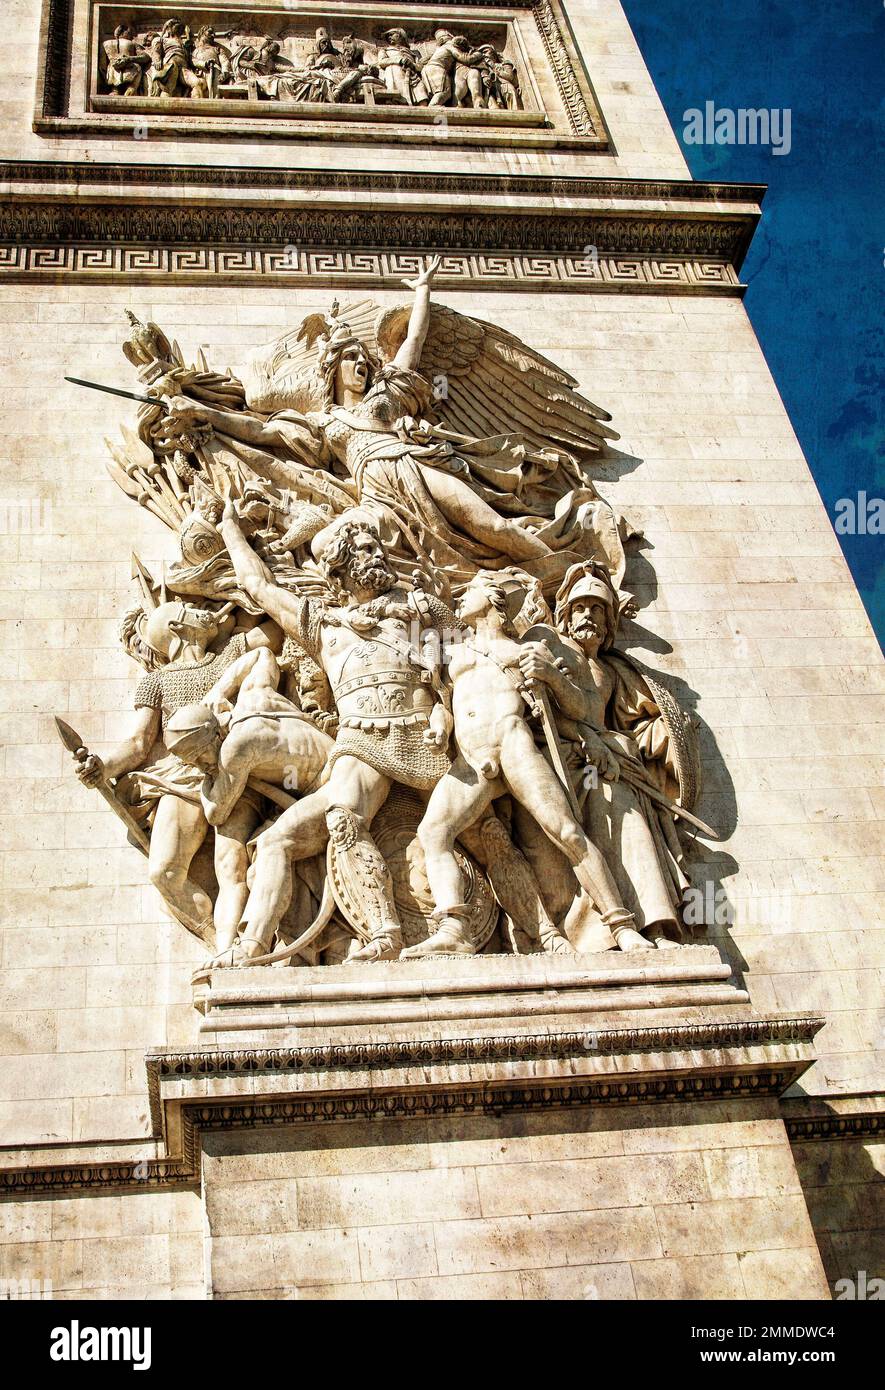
371, 573
586, 629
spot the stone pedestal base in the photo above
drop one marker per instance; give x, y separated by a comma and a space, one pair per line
305, 1003
530, 1127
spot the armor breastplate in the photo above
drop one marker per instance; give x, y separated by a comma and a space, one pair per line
379, 683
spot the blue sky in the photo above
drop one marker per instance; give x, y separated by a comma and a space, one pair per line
816, 269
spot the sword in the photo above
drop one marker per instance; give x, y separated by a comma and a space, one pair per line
116, 391
633, 771
541, 699
642, 784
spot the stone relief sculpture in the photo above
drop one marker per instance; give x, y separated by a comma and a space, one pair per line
427, 69
382, 714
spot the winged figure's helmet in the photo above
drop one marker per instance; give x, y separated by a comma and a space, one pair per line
338, 337
298, 371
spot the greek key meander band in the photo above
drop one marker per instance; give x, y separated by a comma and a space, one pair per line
297, 266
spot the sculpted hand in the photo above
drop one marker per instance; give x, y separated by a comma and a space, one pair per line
426, 275
437, 735
182, 411
601, 757
536, 665
89, 768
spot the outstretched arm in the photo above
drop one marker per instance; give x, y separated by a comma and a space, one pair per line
409, 355
294, 615
269, 434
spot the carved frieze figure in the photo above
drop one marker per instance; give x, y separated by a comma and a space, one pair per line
261, 61
631, 752
335, 74
497, 755
210, 63
372, 523
445, 70
400, 66
500, 81
166, 76
126, 62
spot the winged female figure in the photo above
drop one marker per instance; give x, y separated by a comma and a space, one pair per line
470, 448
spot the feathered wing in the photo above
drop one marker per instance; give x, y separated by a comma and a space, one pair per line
496, 384
281, 375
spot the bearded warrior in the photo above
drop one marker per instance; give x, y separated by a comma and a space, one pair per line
392, 726
605, 699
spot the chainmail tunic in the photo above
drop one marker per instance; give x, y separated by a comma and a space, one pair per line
171, 687
398, 751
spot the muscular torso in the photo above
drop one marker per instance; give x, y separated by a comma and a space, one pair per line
485, 698
289, 749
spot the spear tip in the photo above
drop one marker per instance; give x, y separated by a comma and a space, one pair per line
69, 737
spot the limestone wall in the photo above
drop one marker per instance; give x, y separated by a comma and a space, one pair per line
747, 605
641, 1203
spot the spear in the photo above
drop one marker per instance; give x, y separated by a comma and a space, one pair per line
73, 742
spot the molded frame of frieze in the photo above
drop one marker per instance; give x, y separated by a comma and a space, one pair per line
562, 110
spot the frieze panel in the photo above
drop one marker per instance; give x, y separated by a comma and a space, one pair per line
464, 72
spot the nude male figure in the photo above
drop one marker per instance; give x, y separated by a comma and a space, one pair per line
497, 754
262, 737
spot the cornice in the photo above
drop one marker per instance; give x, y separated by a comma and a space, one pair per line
811, 1118
257, 176
396, 1093
87, 222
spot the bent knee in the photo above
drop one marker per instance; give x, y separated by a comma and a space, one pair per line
434, 836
